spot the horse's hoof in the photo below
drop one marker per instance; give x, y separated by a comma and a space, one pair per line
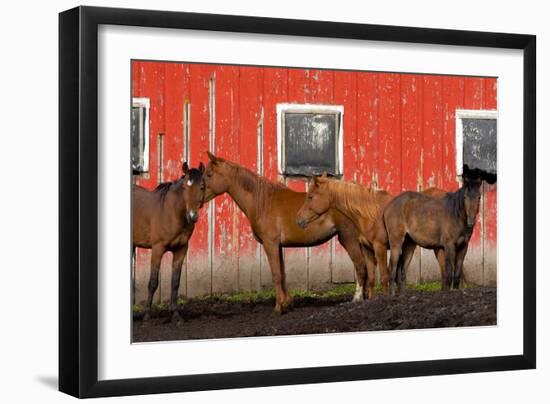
177, 320
288, 304
358, 298
278, 310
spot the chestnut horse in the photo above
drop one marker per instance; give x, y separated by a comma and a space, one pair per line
364, 207
271, 210
163, 220
442, 223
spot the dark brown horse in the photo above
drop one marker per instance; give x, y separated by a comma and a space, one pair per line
441, 223
163, 220
271, 209
364, 207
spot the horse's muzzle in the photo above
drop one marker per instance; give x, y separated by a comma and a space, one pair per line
192, 216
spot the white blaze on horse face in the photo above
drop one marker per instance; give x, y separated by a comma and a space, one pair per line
189, 182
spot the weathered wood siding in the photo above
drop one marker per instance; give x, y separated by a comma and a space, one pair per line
399, 134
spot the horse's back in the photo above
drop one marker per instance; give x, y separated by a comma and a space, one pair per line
142, 211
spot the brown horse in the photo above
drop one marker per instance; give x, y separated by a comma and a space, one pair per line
163, 220
364, 207
441, 223
271, 209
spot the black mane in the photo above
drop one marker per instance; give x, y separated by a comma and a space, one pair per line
162, 189
454, 202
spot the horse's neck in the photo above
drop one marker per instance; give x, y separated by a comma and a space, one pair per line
243, 198
344, 208
177, 202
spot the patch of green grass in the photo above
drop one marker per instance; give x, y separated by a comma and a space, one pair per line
424, 287
268, 295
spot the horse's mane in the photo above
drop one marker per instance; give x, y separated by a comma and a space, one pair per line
454, 202
355, 199
259, 186
162, 189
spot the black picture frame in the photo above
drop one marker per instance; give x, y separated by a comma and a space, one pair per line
78, 200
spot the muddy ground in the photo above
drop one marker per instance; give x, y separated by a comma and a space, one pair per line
220, 318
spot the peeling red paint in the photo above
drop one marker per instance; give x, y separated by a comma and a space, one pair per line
399, 134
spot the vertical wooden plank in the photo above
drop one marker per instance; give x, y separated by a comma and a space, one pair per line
298, 86
136, 78
142, 257
174, 88
345, 93
299, 92
321, 84
226, 234
275, 87
433, 132
249, 117
367, 128
473, 92
432, 155
411, 150
389, 163
453, 89
490, 95
411, 127
473, 263
490, 194
151, 85
198, 269
275, 91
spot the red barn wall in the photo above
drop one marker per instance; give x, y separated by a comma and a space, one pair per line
399, 134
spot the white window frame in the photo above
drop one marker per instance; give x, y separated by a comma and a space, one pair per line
145, 103
312, 109
461, 114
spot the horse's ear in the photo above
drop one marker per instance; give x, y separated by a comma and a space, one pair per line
201, 167
211, 157
185, 168
315, 179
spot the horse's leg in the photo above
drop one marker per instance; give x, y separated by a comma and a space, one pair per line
450, 260
371, 272
460, 255
272, 250
396, 246
381, 252
406, 256
440, 256
354, 250
177, 263
156, 256
287, 299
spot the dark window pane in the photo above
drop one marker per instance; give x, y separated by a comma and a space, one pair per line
310, 143
137, 138
480, 144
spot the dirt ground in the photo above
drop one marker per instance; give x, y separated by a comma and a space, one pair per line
218, 318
